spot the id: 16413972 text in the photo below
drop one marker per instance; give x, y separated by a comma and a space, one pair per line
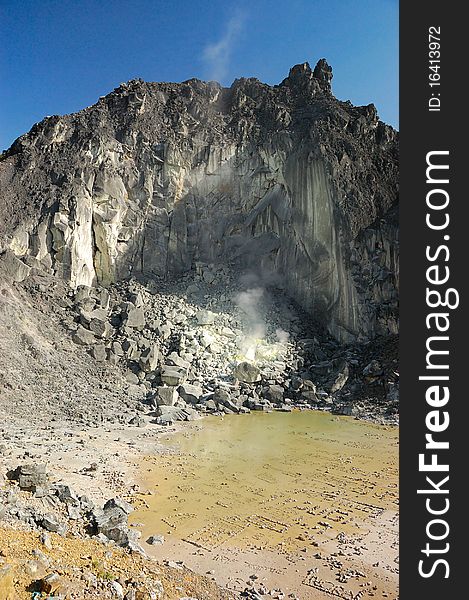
434, 65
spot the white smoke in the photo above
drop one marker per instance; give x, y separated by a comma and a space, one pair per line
217, 55
282, 335
249, 303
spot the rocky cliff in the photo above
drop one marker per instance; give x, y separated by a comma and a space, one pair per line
159, 178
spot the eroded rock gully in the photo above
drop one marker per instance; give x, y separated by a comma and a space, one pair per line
156, 177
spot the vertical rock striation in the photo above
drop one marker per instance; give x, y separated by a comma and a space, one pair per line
156, 177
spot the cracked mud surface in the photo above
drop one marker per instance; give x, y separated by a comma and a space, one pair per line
307, 502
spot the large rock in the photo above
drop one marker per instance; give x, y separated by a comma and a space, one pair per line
155, 540
274, 393
111, 520
171, 375
135, 318
285, 177
247, 372
258, 404
31, 476
51, 584
131, 349
98, 314
190, 393
207, 340
175, 360
117, 349
166, 395
373, 370
13, 268
119, 503
339, 379
309, 396
137, 299
52, 523
169, 414
99, 352
100, 328
65, 493
83, 337
149, 358
210, 405
205, 317
223, 397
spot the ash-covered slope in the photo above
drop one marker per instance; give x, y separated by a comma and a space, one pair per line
157, 177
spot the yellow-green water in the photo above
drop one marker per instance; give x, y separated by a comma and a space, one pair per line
270, 480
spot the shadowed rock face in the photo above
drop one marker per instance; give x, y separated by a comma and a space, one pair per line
158, 176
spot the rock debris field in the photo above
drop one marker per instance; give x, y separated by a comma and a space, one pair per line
179, 251
90, 380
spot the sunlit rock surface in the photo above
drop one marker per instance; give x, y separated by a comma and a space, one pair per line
157, 177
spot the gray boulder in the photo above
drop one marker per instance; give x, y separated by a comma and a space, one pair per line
274, 393
166, 395
131, 349
339, 379
83, 337
190, 393
155, 540
120, 504
247, 372
171, 375
137, 299
169, 414
111, 520
205, 317
258, 404
137, 421
175, 360
104, 298
309, 396
117, 349
373, 369
98, 314
52, 523
210, 405
223, 398
131, 378
100, 328
99, 352
31, 476
135, 318
113, 358
149, 358
82, 293
164, 331
13, 268
65, 493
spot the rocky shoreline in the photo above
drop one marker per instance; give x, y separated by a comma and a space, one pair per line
37, 502
217, 341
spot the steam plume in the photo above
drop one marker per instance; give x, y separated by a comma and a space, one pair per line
217, 55
248, 302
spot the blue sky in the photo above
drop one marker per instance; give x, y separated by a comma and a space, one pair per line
58, 56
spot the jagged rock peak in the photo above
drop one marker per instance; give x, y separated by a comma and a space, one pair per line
302, 76
323, 71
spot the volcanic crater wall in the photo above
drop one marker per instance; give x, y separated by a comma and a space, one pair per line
156, 177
